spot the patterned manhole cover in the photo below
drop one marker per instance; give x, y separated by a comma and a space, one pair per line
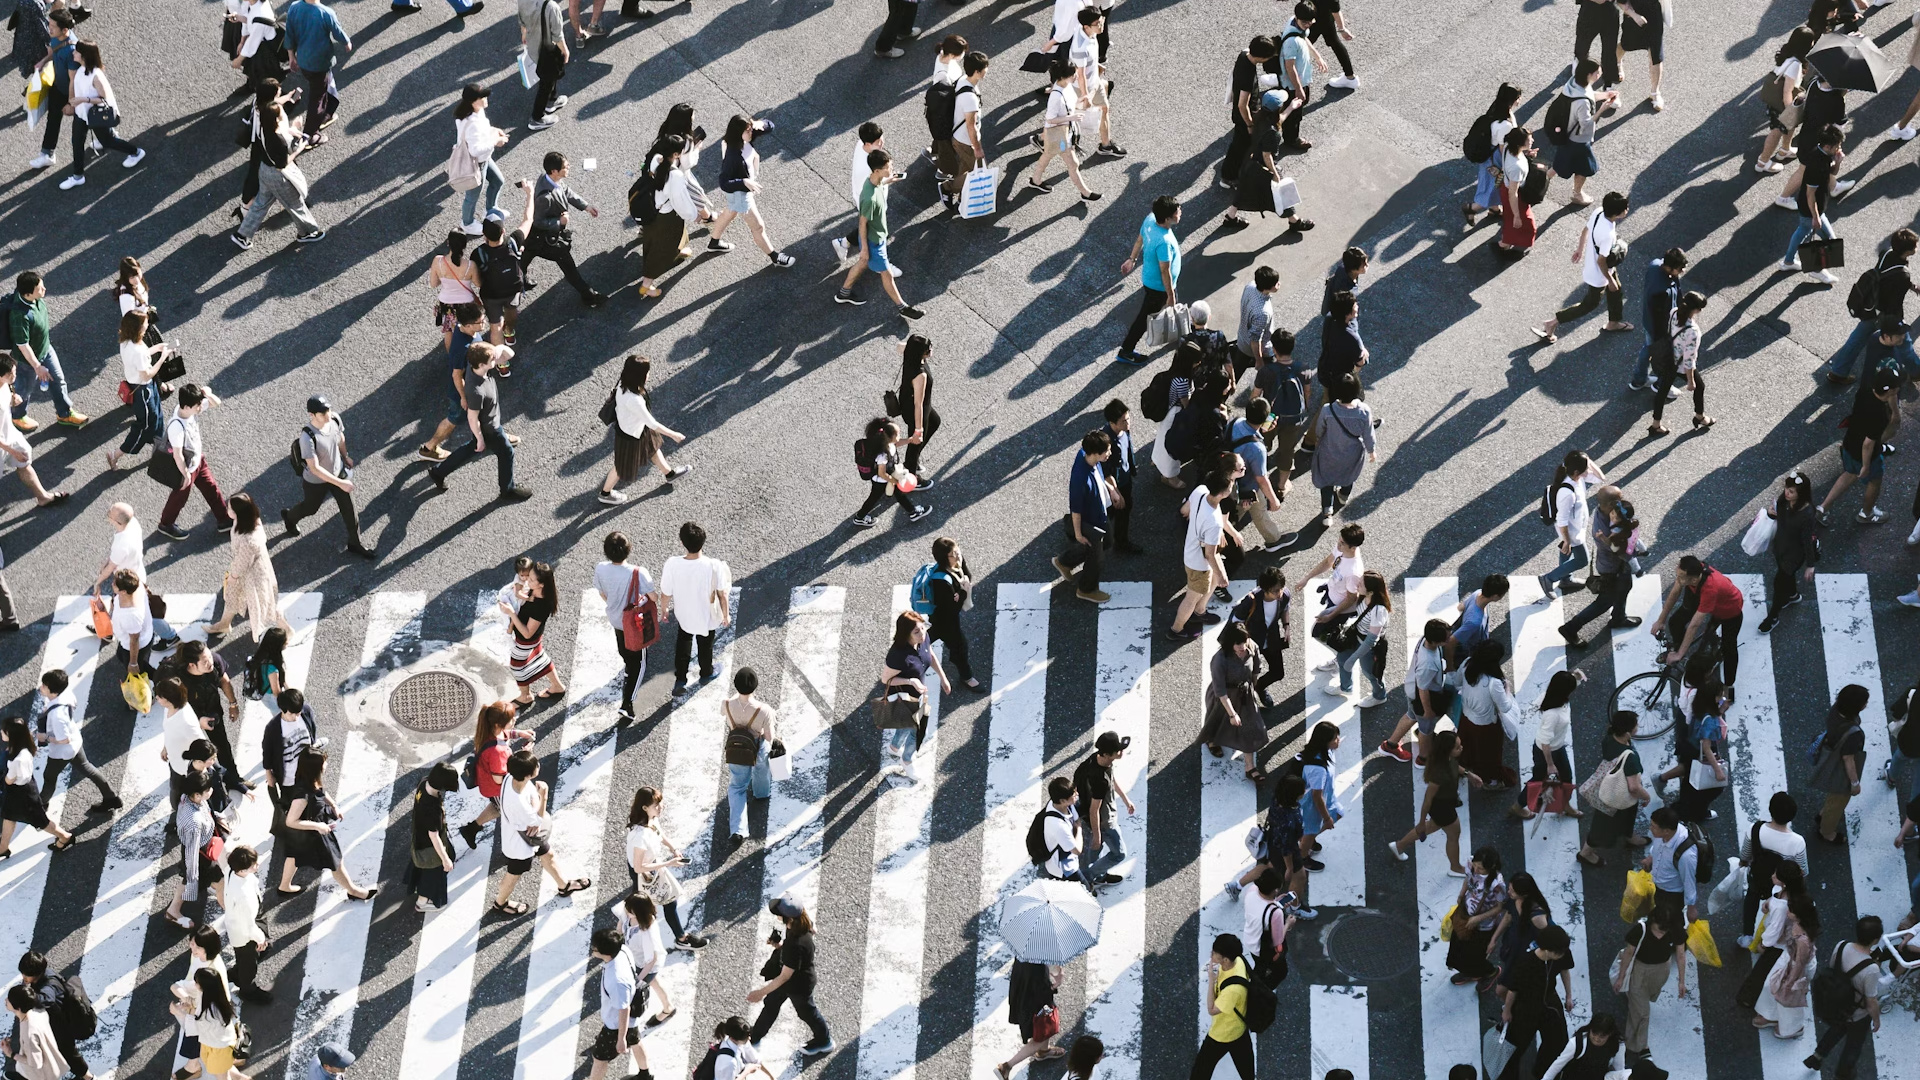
1370, 947
432, 702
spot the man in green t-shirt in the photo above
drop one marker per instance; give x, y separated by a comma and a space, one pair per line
29, 334
873, 235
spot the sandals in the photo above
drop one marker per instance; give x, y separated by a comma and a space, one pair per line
511, 907
1051, 1053
1702, 423
1658, 430
1543, 335
1214, 749
1258, 776
574, 886
1595, 861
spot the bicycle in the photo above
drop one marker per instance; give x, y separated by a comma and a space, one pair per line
1654, 696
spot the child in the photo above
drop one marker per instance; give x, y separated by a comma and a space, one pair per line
517, 591
243, 923
201, 759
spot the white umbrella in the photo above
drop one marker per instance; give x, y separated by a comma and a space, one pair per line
1050, 922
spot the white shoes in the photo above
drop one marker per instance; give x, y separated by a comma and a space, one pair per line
1786, 203
473, 228
1904, 134
1659, 103
72, 182
840, 248
1841, 187
134, 158
41, 160
1344, 82
1394, 846
1790, 265
1328, 666
1332, 690
1370, 702
1824, 277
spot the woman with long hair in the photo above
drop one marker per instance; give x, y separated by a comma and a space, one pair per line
1440, 803
680, 122
494, 737
1482, 896
529, 659
1255, 191
275, 146
1086, 1053
1185, 361
1486, 711
130, 289
651, 858
951, 586
1320, 808
1783, 1004
1375, 609
22, 805
1552, 738
1516, 159
252, 589
1233, 720
1796, 544
310, 822
639, 922
637, 433
269, 661
204, 1004
740, 179
1500, 121
1840, 760
1343, 444
455, 280
913, 401
667, 206
139, 365
95, 112
904, 676
472, 129
886, 453
195, 825
1525, 913
1789, 64
1677, 358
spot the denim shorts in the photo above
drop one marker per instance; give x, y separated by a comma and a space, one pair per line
456, 412
740, 202
1852, 464
877, 257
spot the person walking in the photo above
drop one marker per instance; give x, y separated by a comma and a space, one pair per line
482, 393
1840, 760
872, 136
494, 741
1598, 252
1573, 154
204, 1003
694, 589
623, 587
96, 114
317, 41
1247, 84
469, 321
310, 821
30, 338
473, 130
639, 922
1782, 1002
543, 35
43, 39
749, 739
52, 994
1500, 119
32, 1051
54, 704
1611, 827
1552, 743
1088, 49
1201, 559
913, 401
529, 661
1857, 961
1157, 252
1487, 717
619, 991
1612, 577
740, 179
1796, 545
1660, 293
1343, 436
1655, 945
432, 846
16, 453
274, 149
898, 27
1892, 281
1226, 1036
794, 984
23, 804
1440, 804
904, 686
550, 236
1095, 785
965, 140
1059, 127
501, 260
1261, 174
328, 472
1266, 613
140, 365
950, 587
1784, 97
1776, 860
1030, 996
1233, 720
181, 441
1090, 496
1643, 29
666, 202
1863, 448
193, 823
526, 833
888, 475
1817, 190
1296, 65
651, 859
873, 236
1482, 896
637, 434
456, 284
1572, 519
1534, 1010
1677, 357
251, 588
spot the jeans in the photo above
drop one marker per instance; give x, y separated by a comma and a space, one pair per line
742, 780
899, 24
683, 653
108, 141
202, 478
81, 767
1802, 231
1151, 300
289, 187
798, 992
1842, 362
635, 661
497, 445
1113, 851
1643, 364
1484, 193
904, 741
146, 418
1855, 1034
1576, 558
1344, 661
25, 382
314, 495
492, 181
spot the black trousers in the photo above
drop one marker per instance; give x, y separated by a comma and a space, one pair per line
1088, 557
321, 100
1602, 21
1613, 594
81, 768
109, 140
1854, 1032
1120, 518
1323, 30
316, 494
1550, 1025
1212, 1050
635, 661
1276, 666
1786, 586
801, 998
1665, 382
899, 24
560, 255
71, 1051
1290, 127
50, 139
683, 653
246, 966
497, 445
878, 495
1237, 147
1151, 300
948, 631
546, 90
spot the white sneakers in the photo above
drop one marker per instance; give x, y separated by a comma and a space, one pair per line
134, 158
40, 161
1659, 103
1786, 203
1332, 690
1328, 666
1370, 701
72, 182
1824, 277
1344, 82
1841, 187
1904, 134
473, 228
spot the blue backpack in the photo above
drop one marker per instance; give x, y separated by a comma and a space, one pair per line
920, 594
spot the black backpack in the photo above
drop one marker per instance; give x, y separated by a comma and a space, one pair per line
1478, 145
75, 1017
1179, 435
297, 458
706, 1068
1154, 399
1037, 850
1262, 1005
1291, 406
1270, 965
499, 269
1833, 995
1559, 122
1703, 858
1863, 300
938, 106
862, 459
1533, 190
1549, 502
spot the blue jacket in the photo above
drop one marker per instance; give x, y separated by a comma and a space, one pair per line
1083, 494
1659, 297
312, 30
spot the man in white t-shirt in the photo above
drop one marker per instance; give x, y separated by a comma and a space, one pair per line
1206, 530
1091, 82
127, 551
1597, 271
1573, 520
1061, 831
616, 579
1261, 905
16, 455
695, 589
969, 147
60, 733
865, 141
181, 438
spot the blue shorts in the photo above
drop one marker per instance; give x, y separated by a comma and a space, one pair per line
456, 412
1852, 464
740, 202
877, 257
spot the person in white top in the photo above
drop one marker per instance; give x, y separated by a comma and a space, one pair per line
695, 589
639, 923
22, 805
869, 138
139, 364
1261, 909
678, 204
651, 858
1345, 586
1092, 83
242, 923
1060, 830
95, 112
1057, 130
1207, 530
127, 549
1552, 740
203, 1003
472, 130
1764, 850
60, 734
1598, 259
1572, 519
734, 1054
969, 145
637, 433
16, 454
619, 584
181, 439
526, 833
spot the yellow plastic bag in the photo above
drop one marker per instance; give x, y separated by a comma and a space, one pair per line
138, 690
1700, 943
1446, 923
1759, 931
1638, 899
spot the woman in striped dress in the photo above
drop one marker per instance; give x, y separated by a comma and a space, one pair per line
529, 660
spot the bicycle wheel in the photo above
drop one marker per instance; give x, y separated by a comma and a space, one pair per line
1650, 696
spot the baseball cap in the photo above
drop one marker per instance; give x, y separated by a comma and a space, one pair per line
785, 907
319, 403
1885, 381
1112, 742
1272, 100
335, 1056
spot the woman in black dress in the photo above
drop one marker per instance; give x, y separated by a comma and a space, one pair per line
310, 820
1254, 191
952, 588
1030, 989
913, 402
22, 805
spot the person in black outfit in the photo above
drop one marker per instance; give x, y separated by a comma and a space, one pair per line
550, 237
1344, 277
1264, 612
212, 696
793, 983
1244, 91
1594, 1053
913, 401
1893, 277
1599, 18
51, 992
1119, 467
1535, 1007
951, 585
1661, 294
1331, 28
1341, 350
1796, 544
1030, 988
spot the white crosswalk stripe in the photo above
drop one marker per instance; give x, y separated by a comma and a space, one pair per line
1228, 807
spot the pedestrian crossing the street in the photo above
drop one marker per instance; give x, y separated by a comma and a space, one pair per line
895, 980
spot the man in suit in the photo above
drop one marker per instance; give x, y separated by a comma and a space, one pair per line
1119, 468
1264, 612
1089, 494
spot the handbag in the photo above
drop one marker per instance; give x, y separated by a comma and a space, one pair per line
1606, 788
893, 709
165, 471
426, 859
779, 762
609, 412
1286, 194
102, 621
1168, 325
640, 620
242, 1041
1818, 254
1495, 1051
980, 192
463, 171
525, 64
1701, 777
103, 117
1046, 1022
1731, 890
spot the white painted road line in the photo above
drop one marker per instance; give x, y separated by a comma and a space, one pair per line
1229, 805
1338, 1015
1343, 851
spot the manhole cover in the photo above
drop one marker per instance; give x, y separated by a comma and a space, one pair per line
1370, 947
432, 702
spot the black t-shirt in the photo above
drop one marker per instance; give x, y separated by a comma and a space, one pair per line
1246, 76
1896, 280
1532, 984
429, 817
1093, 780
203, 691
1822, 107
1650, 948
1819, 166
797, 953
1869, 421
539, 609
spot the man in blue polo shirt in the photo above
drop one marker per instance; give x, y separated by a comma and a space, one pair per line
1157, 251
317, 40
1088, 496
1295, 66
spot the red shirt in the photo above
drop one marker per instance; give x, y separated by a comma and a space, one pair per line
491, 766
1719, 597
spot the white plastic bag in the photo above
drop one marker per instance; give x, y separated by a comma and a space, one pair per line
1759, 534
1286, 194
527, 74
1731, 891
979, 193
780, 765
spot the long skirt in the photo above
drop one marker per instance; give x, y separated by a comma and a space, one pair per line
1249, 736
661, 243
1484, 752
629, 455
1518, 234
529, 661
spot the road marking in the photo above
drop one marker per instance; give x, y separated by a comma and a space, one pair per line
1229, 803
1344, 881
1338, 1015
254, 818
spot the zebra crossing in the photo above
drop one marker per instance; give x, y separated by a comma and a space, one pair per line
1139, 686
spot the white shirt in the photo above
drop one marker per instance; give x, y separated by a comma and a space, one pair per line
1058, 831
966, 102
20, 768
183, 434
1060, 103
477, 133
951, 70
133, 624
63, 728
1515, 168
1066, 19
618, 983
517, 816
1344, 579
128, 550
509, 595
1253, 907
12, 436
857, 180
243, 910
631, 413
179, 728
88, 84
645, 943
1789, 69
1555, 730
1600, 233
1373, 621
726, 1068
690, 585
1485, 702
614, 580
135, 359
1203, 530
1571, 511
644, 846
1085, 51
253, 33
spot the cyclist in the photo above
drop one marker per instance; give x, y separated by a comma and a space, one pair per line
1702, 603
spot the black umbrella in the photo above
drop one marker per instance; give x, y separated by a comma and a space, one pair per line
1852, 63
